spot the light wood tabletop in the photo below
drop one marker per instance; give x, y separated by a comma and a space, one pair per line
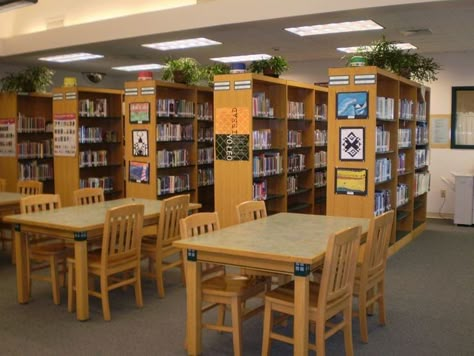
292, 244
78, 224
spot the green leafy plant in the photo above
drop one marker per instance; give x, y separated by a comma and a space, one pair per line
183, 70
32, 79
386, 55
273, 66
215, 69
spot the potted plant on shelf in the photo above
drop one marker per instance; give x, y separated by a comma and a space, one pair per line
30, 80
184, 70
215, 69
386, 55
273, 66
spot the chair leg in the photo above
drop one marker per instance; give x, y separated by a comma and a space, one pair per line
71, 294
220, 315
348, 332
104, 295
364, 335
320, 339
370, 309
236, 306
381, 301
138, 287
160, 284
267, 328
53, 264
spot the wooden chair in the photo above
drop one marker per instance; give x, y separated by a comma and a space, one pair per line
159, 249
85, 196
29, 187
330, 298
221, 290
3, 237
3, 185
117, 264
43, 251
251, 210
370, 272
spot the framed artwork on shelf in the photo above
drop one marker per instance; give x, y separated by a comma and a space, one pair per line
351, 181
139, 113
351, 143
140, 143
462, 117
352, 105
139, 172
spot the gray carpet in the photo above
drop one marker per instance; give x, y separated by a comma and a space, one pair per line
430, 290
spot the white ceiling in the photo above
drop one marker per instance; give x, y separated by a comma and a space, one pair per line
450, 24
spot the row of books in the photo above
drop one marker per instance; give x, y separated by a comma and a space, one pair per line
262, 139
405, 109
382, 139
404, 138
261, 106
421, 158
320, 137
28, 149
320, 179
321, 112
206, 155
296, 162
296, 110
205, 177
295, 138
267, 164
403, 194
172, 158
422, 183
320, 159
421, 111
90, 134
385, 108
35, 170
383, 170
421, 134
174, 132
401, 168
382, 201
173, 184
93, 107
92, 158
35, 124
205, 111
291, 184
174, 107
206, 134
106, 183
260, 190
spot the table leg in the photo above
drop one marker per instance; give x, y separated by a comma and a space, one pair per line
21, 251
301, 321
82, 288
193, 301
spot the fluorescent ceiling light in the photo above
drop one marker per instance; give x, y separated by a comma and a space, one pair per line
7, 5
64, 58
242, 58
181, 44
363, 25
403, 46
138, 67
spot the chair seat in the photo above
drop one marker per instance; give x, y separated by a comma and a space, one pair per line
47, 249
285, 294
233, 285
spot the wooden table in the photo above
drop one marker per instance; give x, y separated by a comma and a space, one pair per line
78, 224
292, 244
9, 202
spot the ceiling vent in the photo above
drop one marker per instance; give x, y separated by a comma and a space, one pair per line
417, 32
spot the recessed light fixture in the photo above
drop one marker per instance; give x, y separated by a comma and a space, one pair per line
181, 44
138, 67
403, 46
72, 57
242, 58
363, 25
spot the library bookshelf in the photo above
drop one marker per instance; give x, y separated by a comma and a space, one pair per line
26, 149
379, 153
265, 132
176, 121
88, 141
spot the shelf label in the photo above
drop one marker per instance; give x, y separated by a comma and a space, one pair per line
71, 96
131, 91
339, 80
219, 86
7, 138
65, 135
147, 91
364, 79
242, 84
58, 96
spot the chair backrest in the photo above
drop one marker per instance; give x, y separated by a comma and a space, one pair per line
172, 211
29, 187
376, 249
198, 224
251, 210
39, 202
86, 196
3, 184
339, 268
122, 234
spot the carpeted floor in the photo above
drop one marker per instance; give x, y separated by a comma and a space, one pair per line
430, 291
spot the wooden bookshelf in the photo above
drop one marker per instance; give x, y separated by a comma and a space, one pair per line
27, 119
395, 108
179, 124
264, 129
88, 125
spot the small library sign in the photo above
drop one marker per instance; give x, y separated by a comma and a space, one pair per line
232, 134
